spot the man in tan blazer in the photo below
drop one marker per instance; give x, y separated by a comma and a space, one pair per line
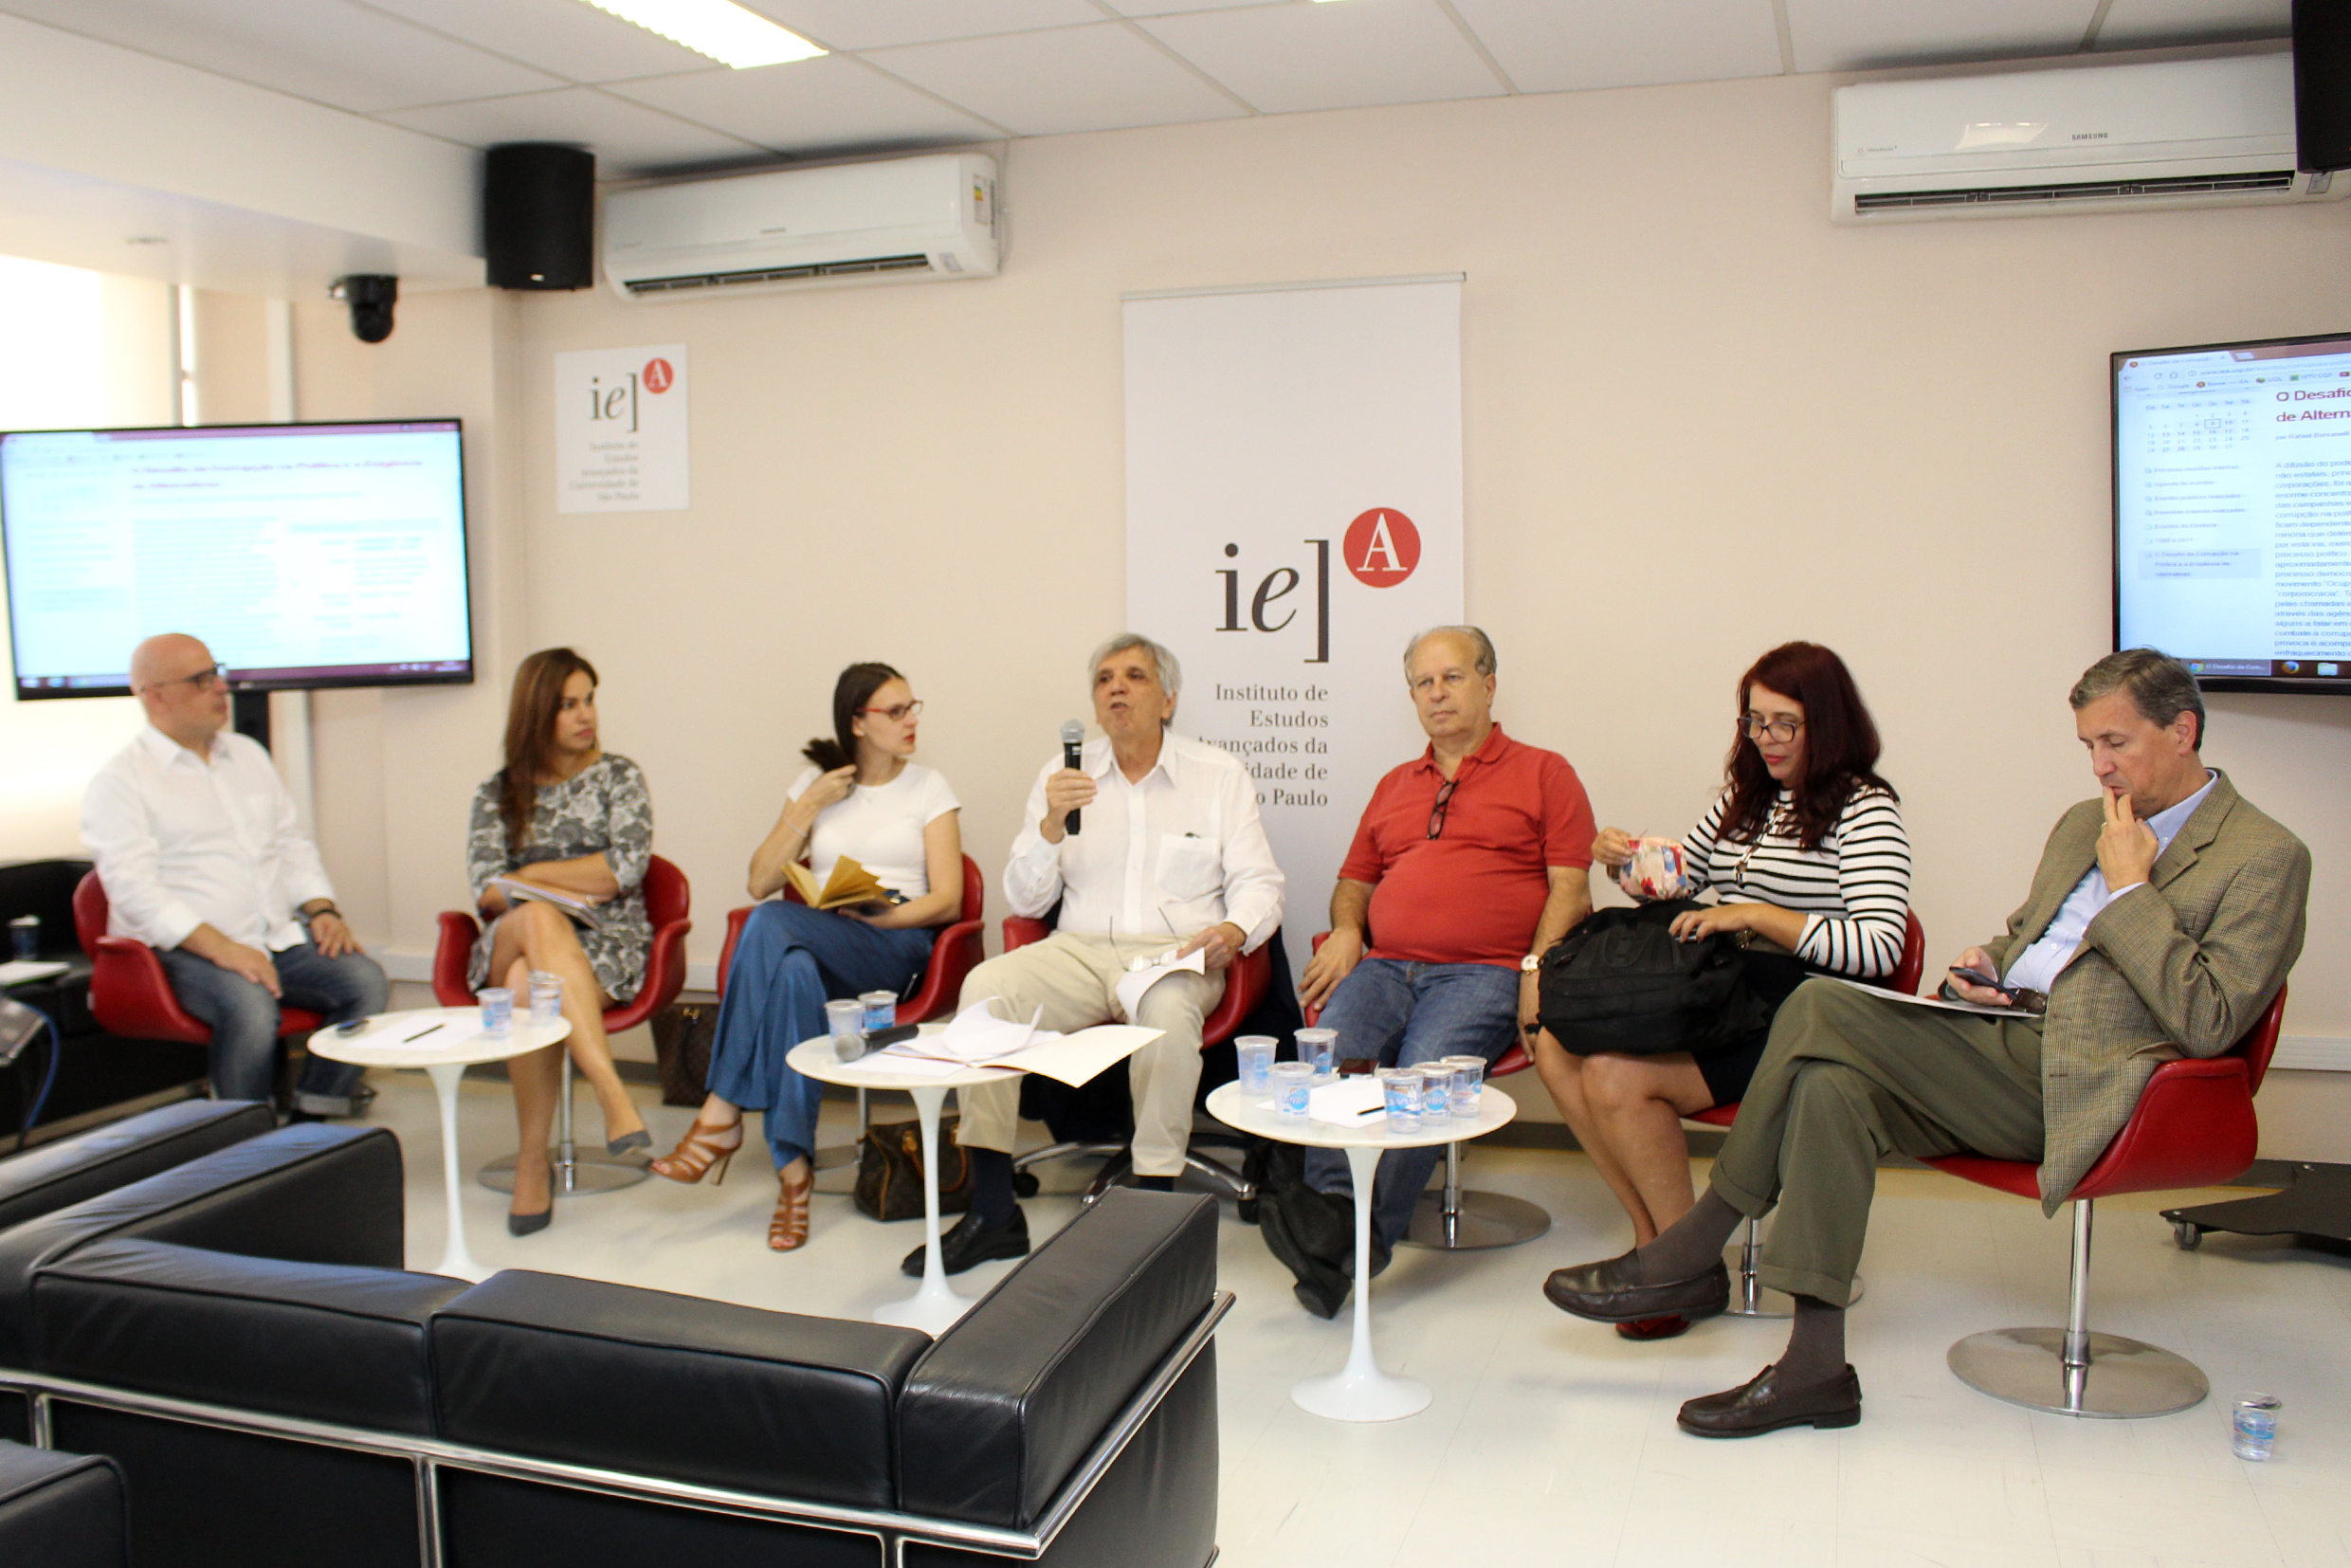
2162, 922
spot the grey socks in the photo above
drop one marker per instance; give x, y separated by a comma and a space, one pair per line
1692, 1244
1815, 1352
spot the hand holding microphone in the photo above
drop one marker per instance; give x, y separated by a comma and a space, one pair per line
1070, 789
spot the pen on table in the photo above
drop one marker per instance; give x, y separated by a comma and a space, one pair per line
418, 1035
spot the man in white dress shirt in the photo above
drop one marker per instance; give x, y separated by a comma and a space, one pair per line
1168, 857
202, 859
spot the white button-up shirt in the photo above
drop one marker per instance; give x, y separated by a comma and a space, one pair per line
183, 841
1155, 861
2038, 966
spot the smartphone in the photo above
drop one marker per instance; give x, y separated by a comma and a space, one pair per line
1990, 982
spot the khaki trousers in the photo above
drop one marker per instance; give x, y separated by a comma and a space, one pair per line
1848, 1077
1075, 978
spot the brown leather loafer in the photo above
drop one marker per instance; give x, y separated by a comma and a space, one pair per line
1612, 1293
1761, 1405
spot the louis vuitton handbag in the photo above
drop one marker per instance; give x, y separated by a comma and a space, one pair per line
889, 1171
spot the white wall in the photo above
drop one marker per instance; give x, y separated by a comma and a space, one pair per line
81, 349
1699, 420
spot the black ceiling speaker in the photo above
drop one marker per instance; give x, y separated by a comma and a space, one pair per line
539, 216
2322, 84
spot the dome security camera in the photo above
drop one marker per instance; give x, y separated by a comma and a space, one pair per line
371, 295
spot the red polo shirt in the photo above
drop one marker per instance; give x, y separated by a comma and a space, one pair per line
1473, 893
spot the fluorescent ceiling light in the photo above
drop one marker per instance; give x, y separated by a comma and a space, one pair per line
720, 28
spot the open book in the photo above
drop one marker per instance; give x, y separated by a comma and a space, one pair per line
572, 904
850, 883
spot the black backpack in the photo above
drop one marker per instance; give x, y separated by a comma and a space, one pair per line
1619, 981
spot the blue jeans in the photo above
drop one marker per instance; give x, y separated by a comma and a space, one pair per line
789, 959
1402, 1015
245, 1019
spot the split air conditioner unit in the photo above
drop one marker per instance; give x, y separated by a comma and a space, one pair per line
2197, 132
896, 221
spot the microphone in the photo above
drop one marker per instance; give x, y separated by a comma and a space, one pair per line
1072, 753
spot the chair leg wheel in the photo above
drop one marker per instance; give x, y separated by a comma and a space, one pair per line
1025, 1184
1247, 1211
2188, 1234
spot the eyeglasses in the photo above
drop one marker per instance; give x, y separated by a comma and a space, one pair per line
1753, 725
203, 680
898, 713
1444, 799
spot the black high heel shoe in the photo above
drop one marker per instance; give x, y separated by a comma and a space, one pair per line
523, 1225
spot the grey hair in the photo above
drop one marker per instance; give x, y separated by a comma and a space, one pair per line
1171, 669
2160, 686
1485, 645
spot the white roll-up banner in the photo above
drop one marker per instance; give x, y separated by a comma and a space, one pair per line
1293, 516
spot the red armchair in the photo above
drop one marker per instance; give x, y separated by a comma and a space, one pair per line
129, 995
1748, 1301
1246, 985
956, 952
668, 902
2194, 1126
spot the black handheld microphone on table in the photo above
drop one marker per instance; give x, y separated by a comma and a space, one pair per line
1072, 755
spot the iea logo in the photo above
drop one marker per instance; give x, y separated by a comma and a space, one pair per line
1381, 548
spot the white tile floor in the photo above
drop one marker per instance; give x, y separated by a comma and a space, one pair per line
1553, 1441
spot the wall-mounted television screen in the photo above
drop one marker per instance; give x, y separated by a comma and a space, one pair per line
2233, 510
305, 556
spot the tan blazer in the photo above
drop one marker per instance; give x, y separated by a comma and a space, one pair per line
2183, 967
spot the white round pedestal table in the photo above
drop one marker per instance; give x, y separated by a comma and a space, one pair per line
934, 1307
444, 1042
1358, 1391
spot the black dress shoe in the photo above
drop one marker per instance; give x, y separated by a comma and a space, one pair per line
1763, 1405
1612, 1293
975, 1241
524, 1224
1322, 1288
1323, 1224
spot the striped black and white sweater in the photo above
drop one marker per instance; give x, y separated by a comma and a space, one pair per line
1855, 888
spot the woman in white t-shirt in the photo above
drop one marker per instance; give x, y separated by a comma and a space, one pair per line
862, 798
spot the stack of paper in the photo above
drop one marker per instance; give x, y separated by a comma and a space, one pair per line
978, 1038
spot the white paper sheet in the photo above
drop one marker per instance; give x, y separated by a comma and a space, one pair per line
18, 970
1937, 1002
1347, 1102
1132, 987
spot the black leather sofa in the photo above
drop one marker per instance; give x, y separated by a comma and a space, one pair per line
61, 1510
237, 1334
56, 1175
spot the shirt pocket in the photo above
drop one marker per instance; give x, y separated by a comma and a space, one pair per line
1189, 868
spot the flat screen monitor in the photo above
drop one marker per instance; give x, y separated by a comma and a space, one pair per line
304, 555
2233, 510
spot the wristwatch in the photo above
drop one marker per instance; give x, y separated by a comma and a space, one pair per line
1529, 964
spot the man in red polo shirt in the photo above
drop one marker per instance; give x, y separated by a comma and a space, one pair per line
1468, 862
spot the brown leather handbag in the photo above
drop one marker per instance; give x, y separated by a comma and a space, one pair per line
889, 1171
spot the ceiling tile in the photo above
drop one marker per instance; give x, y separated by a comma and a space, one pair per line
1100, 78
1284, 58
880, 24
567, 37
2151, 24
1859, 35
628, 138
1177, 7
1563, 46
329, 51
811, 107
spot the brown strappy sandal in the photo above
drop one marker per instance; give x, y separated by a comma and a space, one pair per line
697, 1152
788, 1228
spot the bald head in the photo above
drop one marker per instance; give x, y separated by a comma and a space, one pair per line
172, 674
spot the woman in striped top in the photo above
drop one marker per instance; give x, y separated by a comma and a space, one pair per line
1805, 854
